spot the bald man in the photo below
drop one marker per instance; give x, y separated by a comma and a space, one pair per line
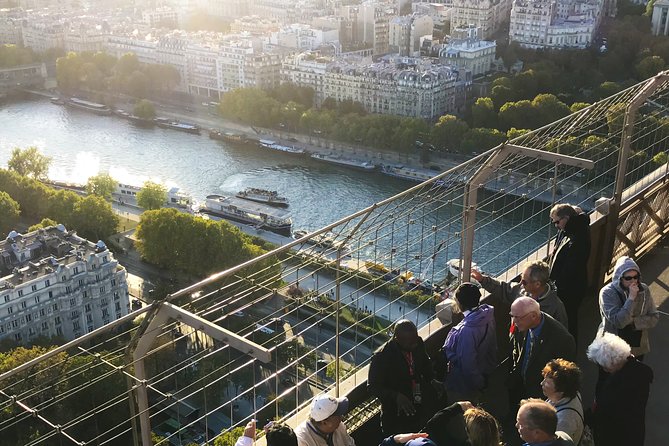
535, 338
536, 423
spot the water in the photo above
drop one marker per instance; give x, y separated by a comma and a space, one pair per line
82, 144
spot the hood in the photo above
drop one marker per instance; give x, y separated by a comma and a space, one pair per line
623, 264
577, 223
482, 316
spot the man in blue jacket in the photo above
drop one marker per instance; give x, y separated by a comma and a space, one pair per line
471, 347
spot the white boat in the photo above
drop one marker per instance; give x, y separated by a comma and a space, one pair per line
341, 161
244, 211
270, 197
177, 125
94, 107
414, 174
269, 144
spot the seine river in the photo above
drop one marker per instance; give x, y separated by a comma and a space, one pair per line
82, 144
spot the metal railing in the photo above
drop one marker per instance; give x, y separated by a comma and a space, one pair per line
259, 340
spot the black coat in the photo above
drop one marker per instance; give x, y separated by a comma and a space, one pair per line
554, 342
447, 427
620, 405
389, 375
569, 261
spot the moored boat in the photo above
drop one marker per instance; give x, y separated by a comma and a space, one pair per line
269, 144
270, 197
177, 125
94, 107
256, 214
227, 136
347, 162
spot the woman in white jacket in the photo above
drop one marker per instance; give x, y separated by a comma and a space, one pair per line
627, 308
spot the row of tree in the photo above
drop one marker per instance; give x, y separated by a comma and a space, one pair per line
102, 72
91, 216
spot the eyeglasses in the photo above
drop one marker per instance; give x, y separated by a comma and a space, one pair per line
628, 278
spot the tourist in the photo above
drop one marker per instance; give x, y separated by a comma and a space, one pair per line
324, 426
535, 338
276, 434
621, 394
537, 424
569, 260
627, 308
470, 347
561, 384
400, 376
462, 424
534, 282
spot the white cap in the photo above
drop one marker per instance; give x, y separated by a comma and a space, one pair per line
324, 406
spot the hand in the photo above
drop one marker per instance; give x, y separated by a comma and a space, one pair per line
405, 438
404, 405
250, 429
476, 275
465, 405
634, 290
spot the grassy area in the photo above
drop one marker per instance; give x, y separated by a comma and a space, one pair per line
125, 224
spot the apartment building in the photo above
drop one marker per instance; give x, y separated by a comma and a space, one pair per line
406, 33
304, 37
55, 283
43, 34
488, 15
466, 50
660, 18
144, 47
10, 26
553, 24
85, 37
255, 26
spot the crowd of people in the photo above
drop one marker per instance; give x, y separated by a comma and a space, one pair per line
420, 407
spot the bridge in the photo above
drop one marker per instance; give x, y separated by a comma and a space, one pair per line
259, 340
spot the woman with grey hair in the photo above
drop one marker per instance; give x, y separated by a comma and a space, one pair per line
621, 393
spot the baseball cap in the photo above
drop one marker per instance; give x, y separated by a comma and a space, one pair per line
421, 442
324, 406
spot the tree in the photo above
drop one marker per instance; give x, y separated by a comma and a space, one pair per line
578, 106
45, 223
102, 185
29, 162
144, 109
548, 108
152, 196
127, 64
480, 140
447, 133
137, 84
661, 158
93, 218
519, 114
648, 67
229, 438
9, 213
483, 113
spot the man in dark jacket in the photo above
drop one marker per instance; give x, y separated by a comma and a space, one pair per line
470, 347
536, 338
400, 375
569, 260
536, 423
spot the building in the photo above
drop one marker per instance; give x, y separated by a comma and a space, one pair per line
22, 76
161, 18
55, 283
43, 35
407, 32
466, 50
10, 26
254, 25
488, 15
142, 47
304, 37
85, 38
660, 19
553, 24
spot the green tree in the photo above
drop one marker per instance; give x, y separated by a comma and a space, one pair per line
9, 213
519, 114
481, 140
649, 67
500, 95
67, 72
548, 108
229, 438
102, 185
127, 64
447, 133
93, 218
29, 162
44, 223
137, 84
661, 158
152, 196
578, 106
144, 109
483, 113
516, 133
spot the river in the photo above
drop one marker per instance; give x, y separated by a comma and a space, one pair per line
81, 144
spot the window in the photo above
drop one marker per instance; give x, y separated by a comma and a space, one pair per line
85, 294
15, 324
50, 294
57, 320
113, 282
102, 290
68, 289
74, 314
24, 305
31, 331
104, 302
45, 326
42, 312
105, 313
64, 278
17, 337
90, 328
73, 302
37, 299
20, 293
34, 287
88, 308
10, 309
47, 282
118, 306
97, 277
55, 307
76, 270
104, 259
89, 318
81, 282
118, 315
29, 317
6, 298
76, 326
59, 331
